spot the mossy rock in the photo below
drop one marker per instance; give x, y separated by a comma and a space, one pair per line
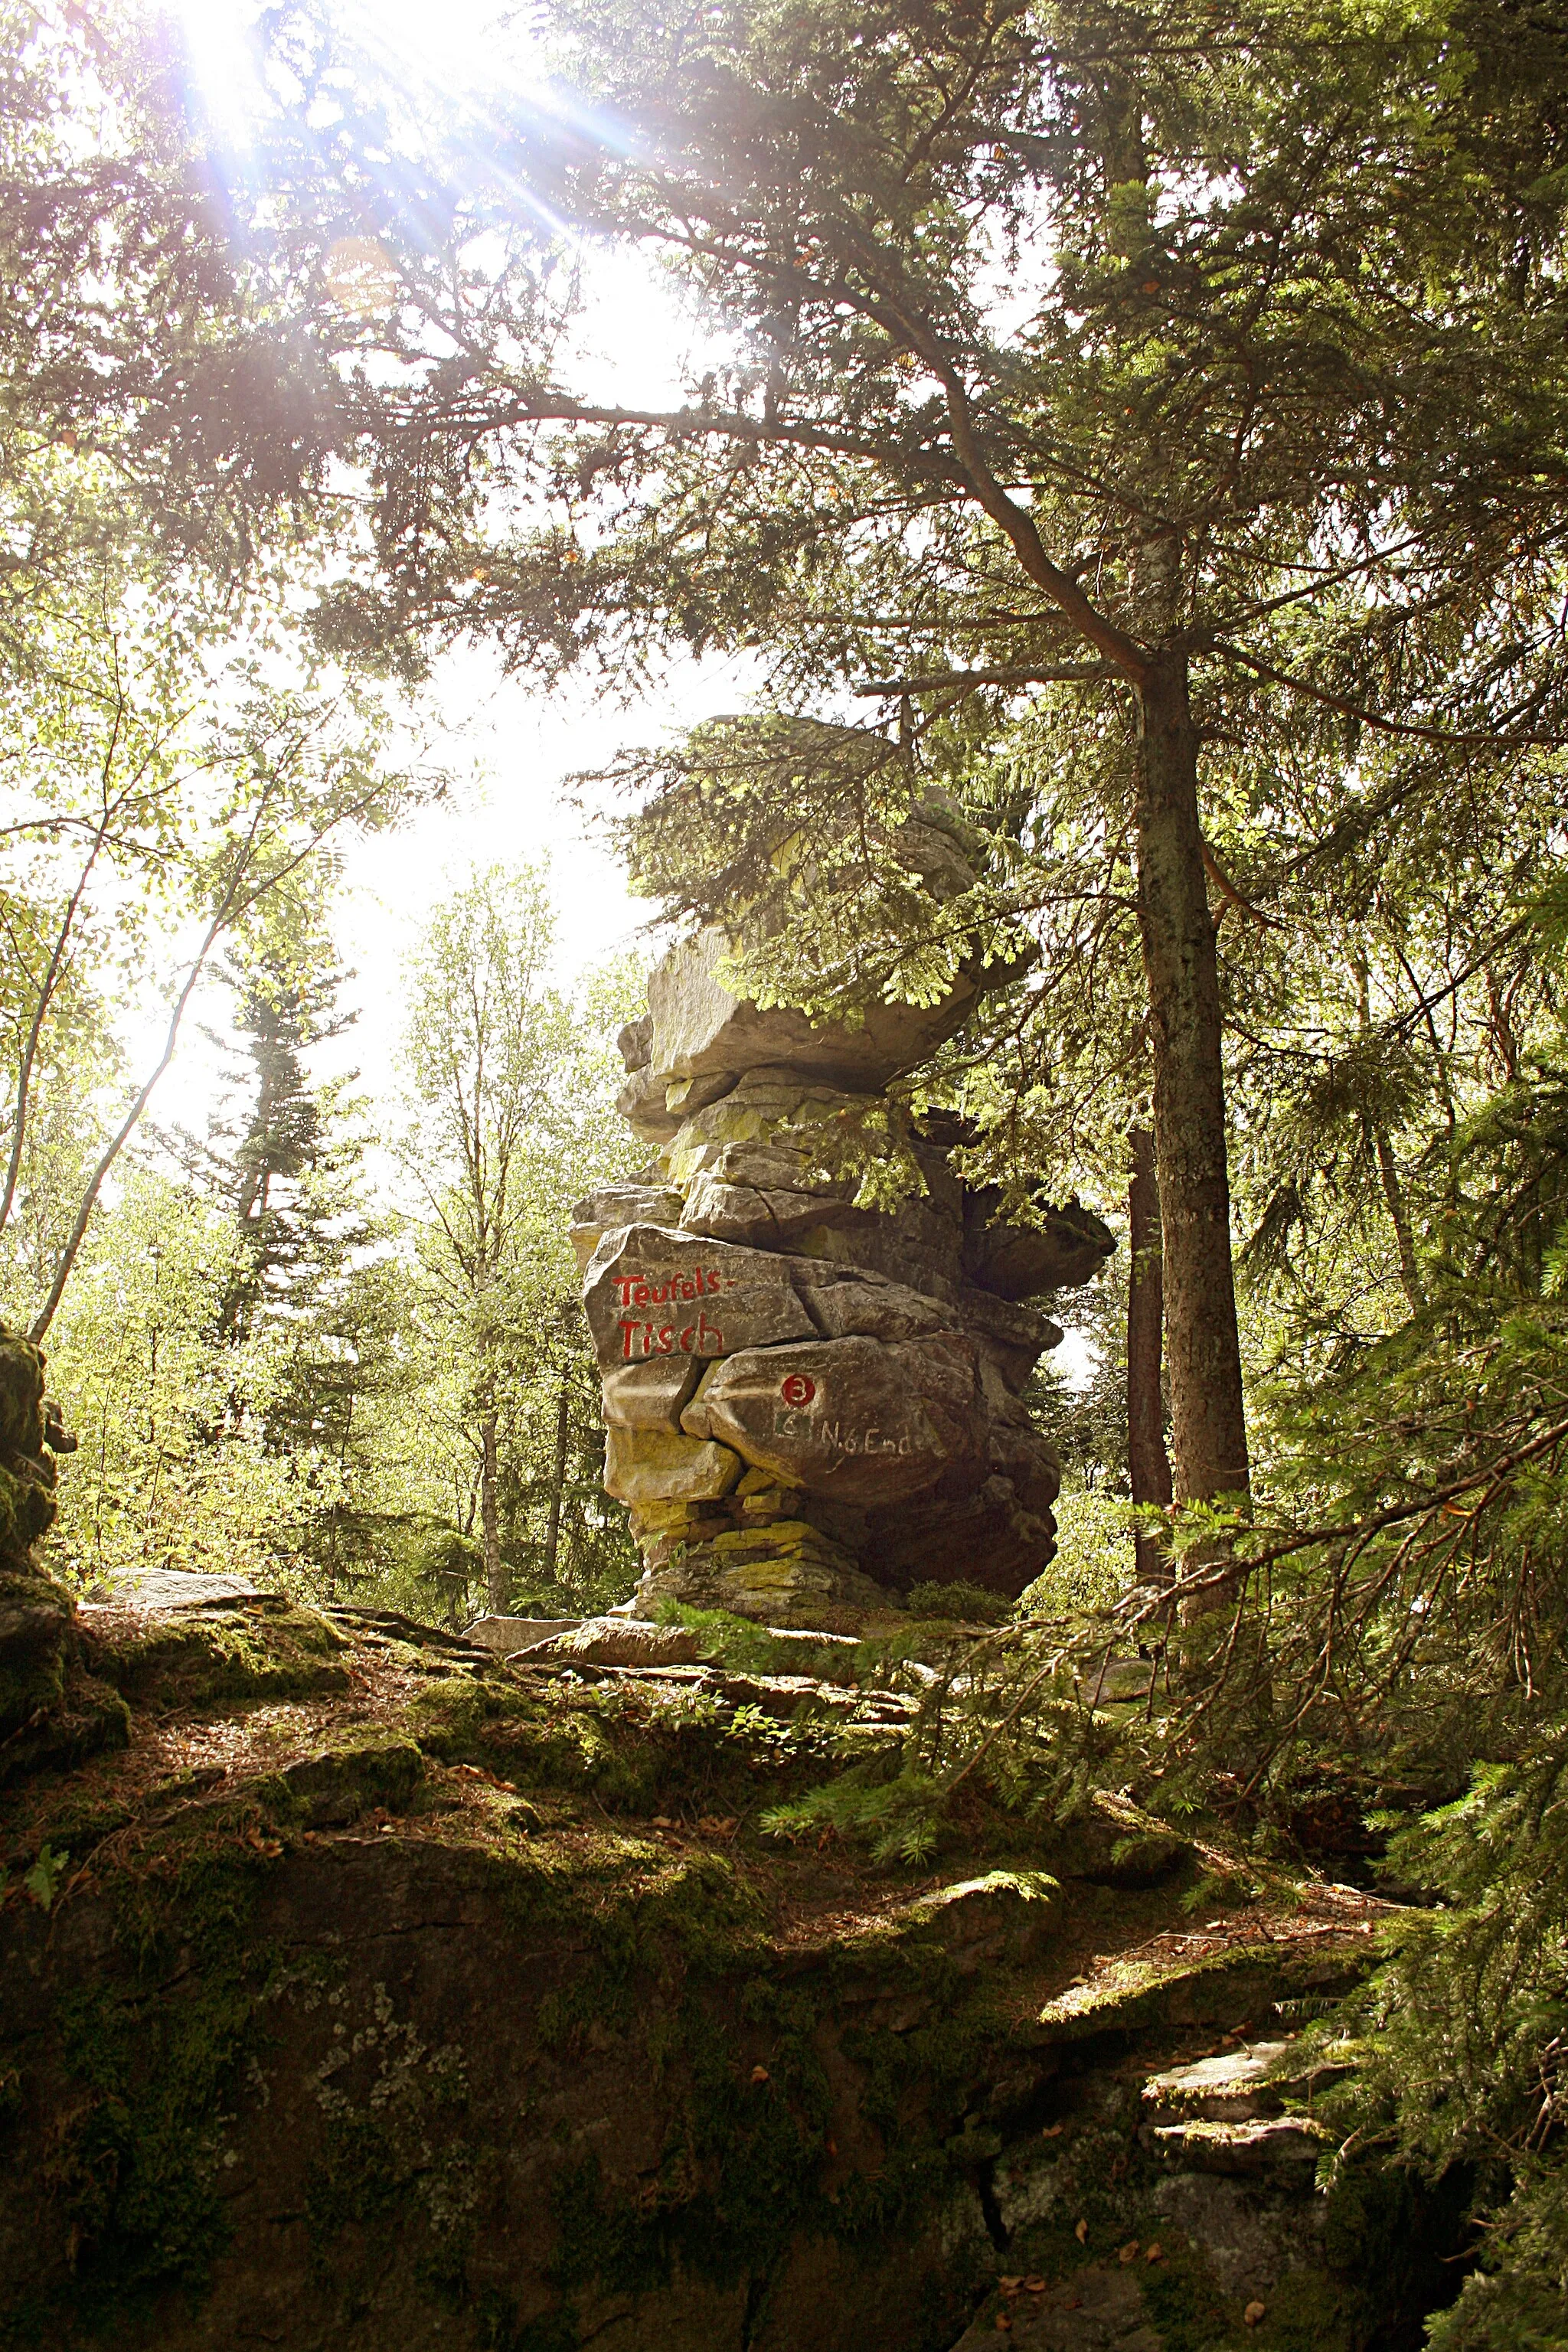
513, 2074
35, 1642
242, 1650
340, 1783
53, 1714
1221, 1988
632, 1755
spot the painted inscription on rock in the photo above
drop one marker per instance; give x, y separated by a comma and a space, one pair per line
854, 1419
652, 1292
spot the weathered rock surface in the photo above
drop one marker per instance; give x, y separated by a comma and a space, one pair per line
1095, 2309
506, 1634
699, 1027
987, 1538
626, 1642
858, 1420
650, 1293
1233, 2086
51, 1709
741, 1297
619, 1205
171, 1588
650, 1395
1021, 1261
646, 1465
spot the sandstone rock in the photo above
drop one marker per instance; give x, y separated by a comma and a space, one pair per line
1017, 1452
678, 1522
506, 1634
617, 1205
634, 1043
650, 1395
642, 1105
931, 851
647, 1466
1012, 1337
1271, 2144
651, 1292
853, 1419
987, 1539
899, 1247
866, 1365
1252, 2233
699, 1025
171, 1587
1019, 1261
628, 1642
809, 1585
689, 1095
741, 1212
872, 1310
1234, 2086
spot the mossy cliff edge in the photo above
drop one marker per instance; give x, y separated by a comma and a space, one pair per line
378, 1994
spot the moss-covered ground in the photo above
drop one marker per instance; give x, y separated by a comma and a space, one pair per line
390, 1995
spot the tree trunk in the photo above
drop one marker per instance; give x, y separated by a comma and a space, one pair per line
489, 1523
1399, 1217
562, 1432
1202, 1347
1148, 1465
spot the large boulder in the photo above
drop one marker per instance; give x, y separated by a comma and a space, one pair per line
650, 1395
699, 1026
616, 1205
988, 1537
1067, 1247
752, 1310
650, 1292
857, 1418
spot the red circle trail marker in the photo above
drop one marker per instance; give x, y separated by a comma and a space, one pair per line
798, 1390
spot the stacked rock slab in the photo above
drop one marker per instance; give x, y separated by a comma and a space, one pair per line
809, 1405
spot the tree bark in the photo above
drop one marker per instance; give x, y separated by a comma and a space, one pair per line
1207, 1424
1148, 1465
489, 1521
562, 1432
1399, 1217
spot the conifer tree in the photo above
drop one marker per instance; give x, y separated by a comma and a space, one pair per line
1196, 376
291, 1172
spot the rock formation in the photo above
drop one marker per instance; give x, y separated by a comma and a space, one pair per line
812, 1405
50, 1711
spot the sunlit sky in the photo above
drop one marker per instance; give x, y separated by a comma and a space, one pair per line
508, 745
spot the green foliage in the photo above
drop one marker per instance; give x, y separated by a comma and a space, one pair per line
43, 1880
1456, 2041
897, 1813
511, 1087
968, 1603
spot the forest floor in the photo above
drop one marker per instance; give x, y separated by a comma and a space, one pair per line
701, 2081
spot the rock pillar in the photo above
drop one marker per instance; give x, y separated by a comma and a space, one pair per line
809, 1405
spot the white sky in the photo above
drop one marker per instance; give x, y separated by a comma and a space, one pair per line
507, 744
